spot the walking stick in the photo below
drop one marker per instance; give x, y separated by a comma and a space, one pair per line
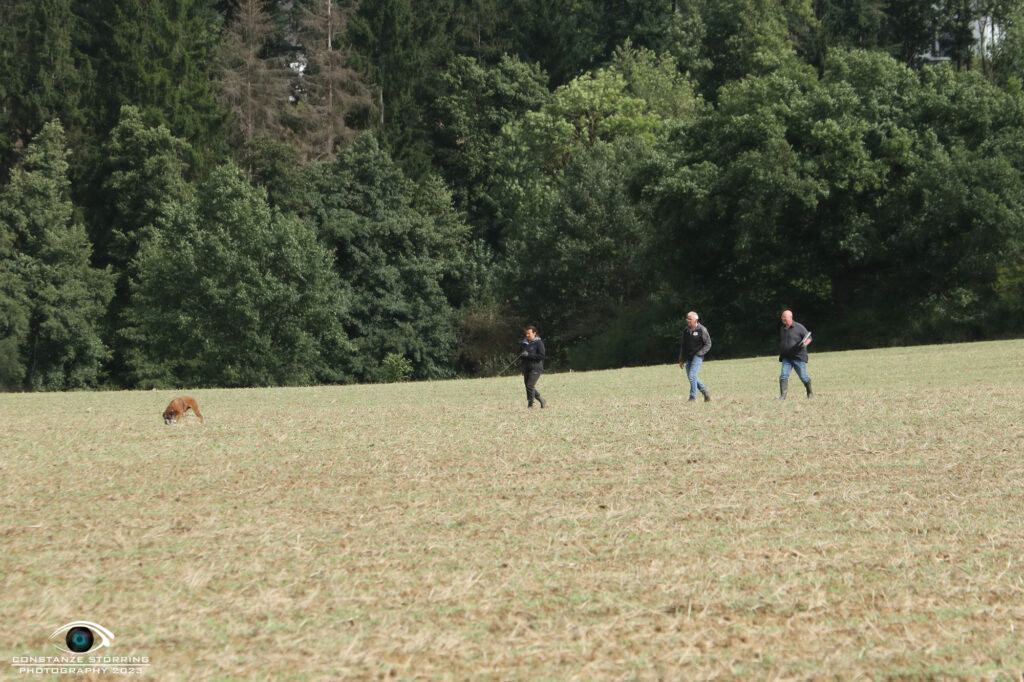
509, 365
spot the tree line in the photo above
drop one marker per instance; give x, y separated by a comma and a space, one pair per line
271, 192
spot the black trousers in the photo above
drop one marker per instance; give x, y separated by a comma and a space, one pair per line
530, 377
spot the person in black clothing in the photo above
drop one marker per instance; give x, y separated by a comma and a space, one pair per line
693, 346
793, 341
532, 353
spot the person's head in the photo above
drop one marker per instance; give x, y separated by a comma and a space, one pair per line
691, 319
531, 333
787, 318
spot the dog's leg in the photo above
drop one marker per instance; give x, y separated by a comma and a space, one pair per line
195, 409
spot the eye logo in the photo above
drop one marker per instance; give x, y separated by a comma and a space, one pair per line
80, 636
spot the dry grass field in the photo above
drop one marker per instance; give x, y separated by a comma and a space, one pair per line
442, 531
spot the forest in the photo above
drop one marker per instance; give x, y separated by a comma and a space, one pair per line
230, 193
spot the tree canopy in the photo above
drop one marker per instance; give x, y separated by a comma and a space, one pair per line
250, 192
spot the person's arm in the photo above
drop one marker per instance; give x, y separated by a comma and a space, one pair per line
805, 338
705, 336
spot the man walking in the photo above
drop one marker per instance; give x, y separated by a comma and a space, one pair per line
793, 341
695, 344
532, 353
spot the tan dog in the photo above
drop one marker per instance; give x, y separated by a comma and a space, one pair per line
178, 407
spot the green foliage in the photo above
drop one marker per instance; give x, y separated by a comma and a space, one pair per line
571, 37
646, 333
655, 79
402, 50
156, 55
912, 29
232, 293
576, 163
399, 251
1007, 64
43, 73
55, 298
873, 193
592, 110
488, 333
476, 27
395, 368
576, 260
144, 167
15, 309
631, 98
274, 165
597, 107
477, 101
1009, 288
748, 38
903, 29
576, 249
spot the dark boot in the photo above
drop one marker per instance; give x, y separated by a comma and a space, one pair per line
810, 393
543, 403
707, 395
783, 389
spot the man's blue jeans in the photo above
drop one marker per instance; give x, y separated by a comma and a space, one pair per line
692, 369
801, 370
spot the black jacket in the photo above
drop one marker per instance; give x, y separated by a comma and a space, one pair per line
534, 358
696, 341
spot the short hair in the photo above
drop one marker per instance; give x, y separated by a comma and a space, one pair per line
529, 327
695, 315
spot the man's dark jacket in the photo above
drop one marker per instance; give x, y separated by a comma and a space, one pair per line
696, 341
534, 358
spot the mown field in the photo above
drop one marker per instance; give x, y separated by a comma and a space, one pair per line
442, 531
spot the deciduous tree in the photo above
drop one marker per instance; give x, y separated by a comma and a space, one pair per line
476, 102
400, 252
233, 293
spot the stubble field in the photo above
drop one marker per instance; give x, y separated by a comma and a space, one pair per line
442, 531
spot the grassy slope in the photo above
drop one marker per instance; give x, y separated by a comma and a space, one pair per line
441, 530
